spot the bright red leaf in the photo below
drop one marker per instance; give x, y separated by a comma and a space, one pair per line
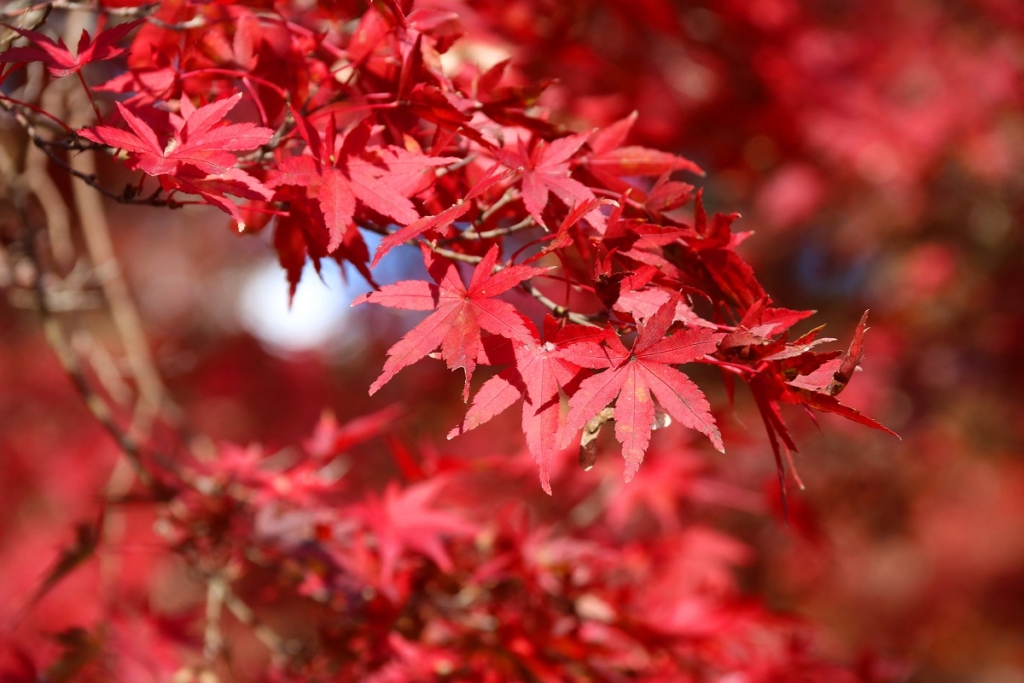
631, 376
378, 178
539, 373
200, 144
547, 170
405, 520
493, 176
610, 159
58, 58
461, 312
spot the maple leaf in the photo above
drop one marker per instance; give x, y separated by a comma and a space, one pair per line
546, 169
199, 146
199, 158
213, 189
330, 439
645, 302
538, 374
667, 195
404, 520
800, 377
58, 58
460, 313
851, 359
491, 177
611, 160
631, 376
713, 244
338, 179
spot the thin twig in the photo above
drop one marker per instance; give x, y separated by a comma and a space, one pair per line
92, 218
282, 649
507, 198
525, 224
101, 412
141, 10
559, 310
454, 255
461, 163
213, 638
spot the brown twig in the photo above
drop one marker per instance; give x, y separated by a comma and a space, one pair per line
213, 638
283, 650
92, 219
96, 405
128, 12
558, 310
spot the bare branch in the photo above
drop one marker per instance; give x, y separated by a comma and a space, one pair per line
69, 361
92, 218
213, 638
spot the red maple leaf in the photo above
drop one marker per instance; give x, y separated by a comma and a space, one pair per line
491, 177
200, 145
795, 375
460, 313
611, 160
546, 169
338, 178
851, 359
199, 158
404, 521
538, 373
330, 439
631, 376
58, 58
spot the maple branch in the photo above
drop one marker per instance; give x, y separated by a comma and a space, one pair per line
558, 310
113, 529
510, 196
96, 405
455, 256
524, 224
197, 21
140, 10
92, 218
461, 163
213, 638
284, 650
104, 366
58, 219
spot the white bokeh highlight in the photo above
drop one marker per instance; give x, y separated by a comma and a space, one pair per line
318, 313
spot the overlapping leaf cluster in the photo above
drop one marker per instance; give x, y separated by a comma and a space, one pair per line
582, 268
375, 136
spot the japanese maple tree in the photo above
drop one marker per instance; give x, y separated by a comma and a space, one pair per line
576, 269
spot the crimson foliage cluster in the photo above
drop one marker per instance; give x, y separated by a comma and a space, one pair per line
581, 267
